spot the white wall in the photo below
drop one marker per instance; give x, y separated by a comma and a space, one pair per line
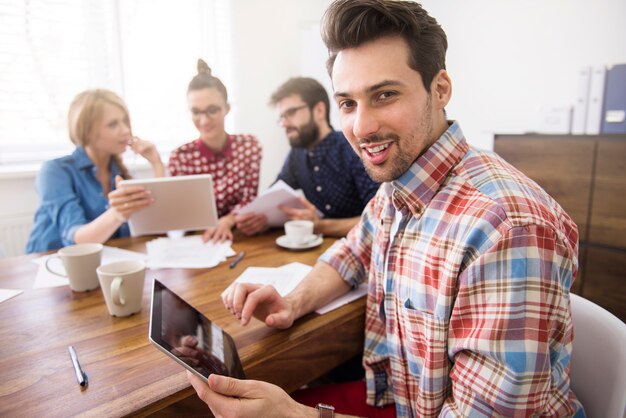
508, 60
266, 52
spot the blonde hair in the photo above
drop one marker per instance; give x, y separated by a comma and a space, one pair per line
86, 110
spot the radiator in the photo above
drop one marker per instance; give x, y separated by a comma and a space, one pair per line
14, 233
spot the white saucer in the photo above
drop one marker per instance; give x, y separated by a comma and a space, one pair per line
284, 242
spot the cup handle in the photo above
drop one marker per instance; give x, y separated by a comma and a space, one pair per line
50, 269
116, 294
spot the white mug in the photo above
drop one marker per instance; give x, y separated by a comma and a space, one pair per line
80, 262
122, 286
299, 232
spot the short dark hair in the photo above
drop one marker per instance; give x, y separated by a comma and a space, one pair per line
205, 80
311, 91
349, 24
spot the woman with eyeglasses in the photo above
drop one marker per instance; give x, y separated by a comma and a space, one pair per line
234, 161
79, 198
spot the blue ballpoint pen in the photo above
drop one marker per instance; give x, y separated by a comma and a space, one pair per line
237, 259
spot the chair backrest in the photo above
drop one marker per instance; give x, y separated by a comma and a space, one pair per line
598, 370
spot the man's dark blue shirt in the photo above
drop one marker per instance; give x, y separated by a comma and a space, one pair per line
331, 176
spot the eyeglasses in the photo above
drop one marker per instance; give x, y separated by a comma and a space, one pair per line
290, 113
208, 112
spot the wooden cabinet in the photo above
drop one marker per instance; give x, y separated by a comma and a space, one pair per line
587, 176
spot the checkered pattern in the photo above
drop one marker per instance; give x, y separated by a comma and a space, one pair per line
469, 265
235, 169
331, 176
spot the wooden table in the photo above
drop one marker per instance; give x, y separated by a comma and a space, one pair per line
127, 375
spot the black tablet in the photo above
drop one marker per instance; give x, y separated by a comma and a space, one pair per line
188, 337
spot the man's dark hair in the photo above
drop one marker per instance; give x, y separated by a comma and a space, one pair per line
206, 80
311, 91
349, 24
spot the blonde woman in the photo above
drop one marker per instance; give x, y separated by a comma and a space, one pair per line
79, 199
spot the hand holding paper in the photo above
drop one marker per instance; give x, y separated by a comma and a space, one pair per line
267, 203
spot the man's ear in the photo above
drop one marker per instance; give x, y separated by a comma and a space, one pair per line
441, 89
227, 109
319, 111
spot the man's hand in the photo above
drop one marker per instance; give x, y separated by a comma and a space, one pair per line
251, 223
245, 300
309, 212
233, 398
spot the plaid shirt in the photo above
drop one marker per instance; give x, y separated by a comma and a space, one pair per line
469, 265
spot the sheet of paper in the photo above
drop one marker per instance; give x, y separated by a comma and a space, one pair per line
354, 294
186, 252
46, 279
284, 279
280, 193
6, 294
287, 277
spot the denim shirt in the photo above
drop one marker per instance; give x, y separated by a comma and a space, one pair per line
331, 176
71, 196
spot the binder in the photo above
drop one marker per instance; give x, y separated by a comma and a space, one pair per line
596, 100
614, 120
579, 114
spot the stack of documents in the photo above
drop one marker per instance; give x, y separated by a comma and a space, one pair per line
186, 252
287, 277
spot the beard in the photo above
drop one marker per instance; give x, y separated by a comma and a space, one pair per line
399, 163
307, 135
398, 166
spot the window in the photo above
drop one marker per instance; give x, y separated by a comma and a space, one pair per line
144, 50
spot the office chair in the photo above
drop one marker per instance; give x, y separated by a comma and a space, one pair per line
598, 368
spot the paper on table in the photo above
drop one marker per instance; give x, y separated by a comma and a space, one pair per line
186, 252
6, 294
280, 193
109, 254
287, 277
353, 294
284, 279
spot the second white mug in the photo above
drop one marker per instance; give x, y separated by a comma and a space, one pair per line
122, 286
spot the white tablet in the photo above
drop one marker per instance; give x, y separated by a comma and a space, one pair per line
181, 203
189, 338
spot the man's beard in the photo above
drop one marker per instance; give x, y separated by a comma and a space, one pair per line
307, 135
401, 163
402, 160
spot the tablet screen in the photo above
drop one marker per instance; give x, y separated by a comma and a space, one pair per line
187, 336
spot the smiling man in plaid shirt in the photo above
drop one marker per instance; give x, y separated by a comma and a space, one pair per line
469, 263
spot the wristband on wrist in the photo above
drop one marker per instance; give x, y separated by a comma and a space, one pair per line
325, 410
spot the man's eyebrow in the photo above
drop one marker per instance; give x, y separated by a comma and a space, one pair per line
372, 88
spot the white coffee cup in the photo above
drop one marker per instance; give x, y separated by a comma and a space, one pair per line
122, 286
299, 232
80, 262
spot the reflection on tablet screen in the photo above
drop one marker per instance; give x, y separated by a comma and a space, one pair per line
187, 336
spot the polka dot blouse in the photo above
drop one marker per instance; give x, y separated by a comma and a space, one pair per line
235, 169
